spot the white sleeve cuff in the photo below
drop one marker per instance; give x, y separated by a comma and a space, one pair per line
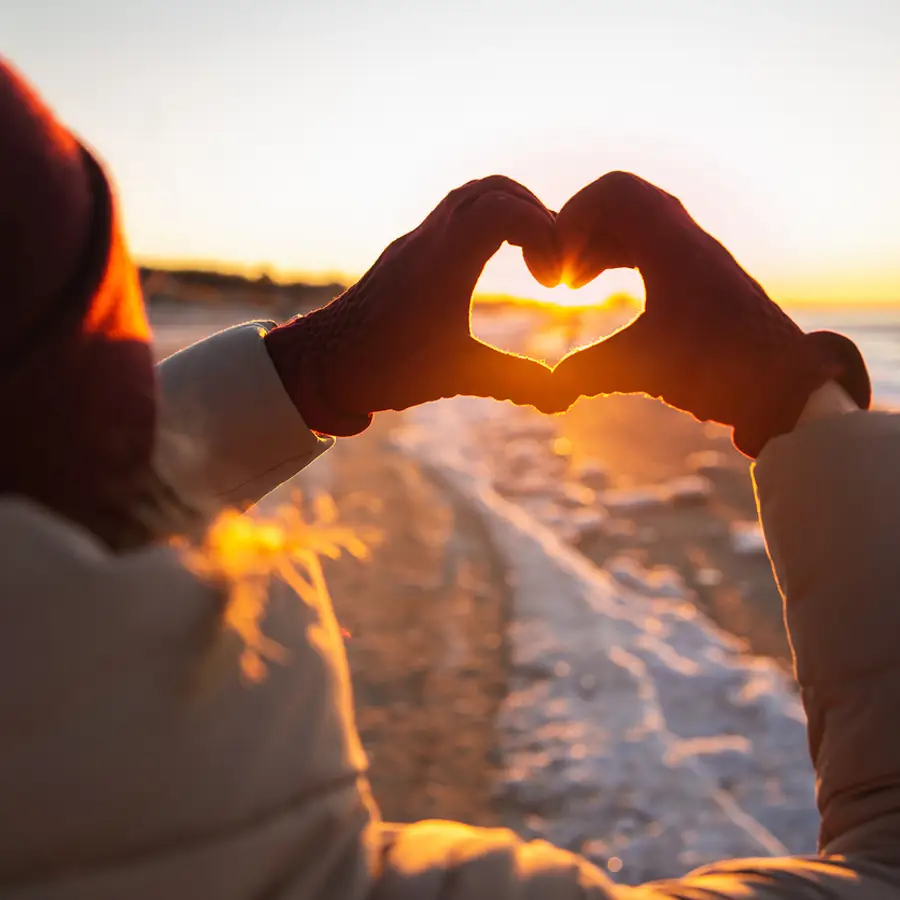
228, 429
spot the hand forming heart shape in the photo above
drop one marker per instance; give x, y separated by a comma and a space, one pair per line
401, 336
710, 342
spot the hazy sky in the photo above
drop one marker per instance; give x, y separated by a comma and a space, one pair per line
307, 134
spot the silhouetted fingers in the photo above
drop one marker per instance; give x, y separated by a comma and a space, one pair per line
472, 190
485, 371
621, 364
545, 261
482, 225
618, 221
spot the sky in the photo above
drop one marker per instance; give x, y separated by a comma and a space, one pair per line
302, 136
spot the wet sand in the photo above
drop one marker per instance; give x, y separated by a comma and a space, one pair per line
643, 442
428, 615
427, 619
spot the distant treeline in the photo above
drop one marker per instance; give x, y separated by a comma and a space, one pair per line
199, 286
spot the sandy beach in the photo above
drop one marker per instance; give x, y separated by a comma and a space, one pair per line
426, 617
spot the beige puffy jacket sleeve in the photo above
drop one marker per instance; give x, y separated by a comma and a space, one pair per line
829, 497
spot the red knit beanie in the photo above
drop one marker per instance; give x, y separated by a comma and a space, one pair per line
77, 390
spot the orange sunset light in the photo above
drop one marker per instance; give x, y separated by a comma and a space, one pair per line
506, 277
772, 125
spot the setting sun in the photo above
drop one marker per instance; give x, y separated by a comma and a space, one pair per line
507, 276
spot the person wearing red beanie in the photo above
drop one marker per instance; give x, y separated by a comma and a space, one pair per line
77, 383
134, 762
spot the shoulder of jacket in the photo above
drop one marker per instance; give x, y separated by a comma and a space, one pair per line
45, 555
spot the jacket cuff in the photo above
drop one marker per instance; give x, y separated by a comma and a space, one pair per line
228, 428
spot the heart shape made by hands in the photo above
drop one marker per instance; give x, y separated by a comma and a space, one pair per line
709, 341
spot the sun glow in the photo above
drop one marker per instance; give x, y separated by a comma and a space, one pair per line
506, 278
521, 287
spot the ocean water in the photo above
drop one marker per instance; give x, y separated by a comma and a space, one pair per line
876, 333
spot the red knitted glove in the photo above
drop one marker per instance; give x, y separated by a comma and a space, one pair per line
401, 336
710, 341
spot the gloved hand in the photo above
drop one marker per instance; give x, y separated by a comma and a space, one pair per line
710, 341
401, 335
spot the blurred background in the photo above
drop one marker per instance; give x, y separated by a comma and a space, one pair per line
570, 625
